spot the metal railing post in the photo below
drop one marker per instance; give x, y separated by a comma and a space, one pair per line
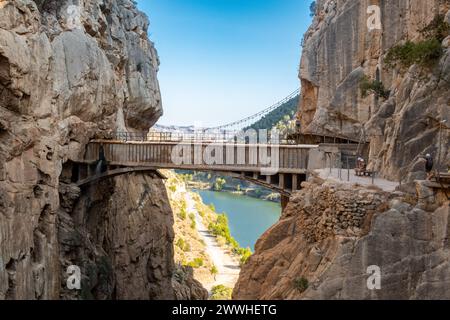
348, 170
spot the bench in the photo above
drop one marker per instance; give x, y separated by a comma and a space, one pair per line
360, 172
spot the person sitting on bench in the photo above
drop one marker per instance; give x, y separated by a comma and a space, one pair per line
360, 167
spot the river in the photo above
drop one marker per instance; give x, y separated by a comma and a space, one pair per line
248, 217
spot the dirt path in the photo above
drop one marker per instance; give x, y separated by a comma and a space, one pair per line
227, 266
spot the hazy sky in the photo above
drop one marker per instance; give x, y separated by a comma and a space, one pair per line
222, 60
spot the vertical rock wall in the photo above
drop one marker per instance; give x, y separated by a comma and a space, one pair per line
120, 233
330, 233
68, 70
339, 49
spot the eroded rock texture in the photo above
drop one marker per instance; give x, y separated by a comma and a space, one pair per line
120, 232
339, 49
68, 70
330, 234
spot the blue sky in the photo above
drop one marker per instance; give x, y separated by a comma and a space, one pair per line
222, 60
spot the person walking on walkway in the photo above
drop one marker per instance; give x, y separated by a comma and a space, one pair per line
429, 165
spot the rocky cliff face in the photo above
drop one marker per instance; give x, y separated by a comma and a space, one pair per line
339, 49
330, 234
70, 70
119, 232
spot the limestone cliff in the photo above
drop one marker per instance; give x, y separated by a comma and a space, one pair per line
339, 49
330, 234
120, 233
70, 70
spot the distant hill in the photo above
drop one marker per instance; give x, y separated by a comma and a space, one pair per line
278, 115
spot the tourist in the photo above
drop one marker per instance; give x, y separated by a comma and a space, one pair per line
429, 165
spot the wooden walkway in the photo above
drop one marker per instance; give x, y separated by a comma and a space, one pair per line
281, 168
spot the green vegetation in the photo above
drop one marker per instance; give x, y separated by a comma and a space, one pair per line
214, 270
276, 116
301, 284
221, 229
196, 263
173, 188
221, 292
375, 87
201, 212
245, 255
192, 217
183, 211
186, 177
218, 185
183, 245
425, 53
212, 207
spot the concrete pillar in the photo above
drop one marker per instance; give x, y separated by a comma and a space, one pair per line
281, 181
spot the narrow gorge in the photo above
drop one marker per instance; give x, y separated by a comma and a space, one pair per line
91, 179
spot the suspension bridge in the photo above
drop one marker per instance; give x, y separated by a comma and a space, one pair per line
280, 163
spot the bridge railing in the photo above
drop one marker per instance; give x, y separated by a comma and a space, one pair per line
195, 156
200, 136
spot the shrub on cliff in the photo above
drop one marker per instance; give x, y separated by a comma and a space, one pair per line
301, 284
214, 271
375, 87
183, 245
221, 292
245, 255
196, 263
220, 227
183, 213
218, 185
425, 53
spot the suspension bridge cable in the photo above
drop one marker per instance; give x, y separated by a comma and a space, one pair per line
246, 121
258, 114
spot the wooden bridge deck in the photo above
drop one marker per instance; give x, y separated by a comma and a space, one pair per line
199, 156
281, 168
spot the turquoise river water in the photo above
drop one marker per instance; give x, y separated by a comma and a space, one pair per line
248, 217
